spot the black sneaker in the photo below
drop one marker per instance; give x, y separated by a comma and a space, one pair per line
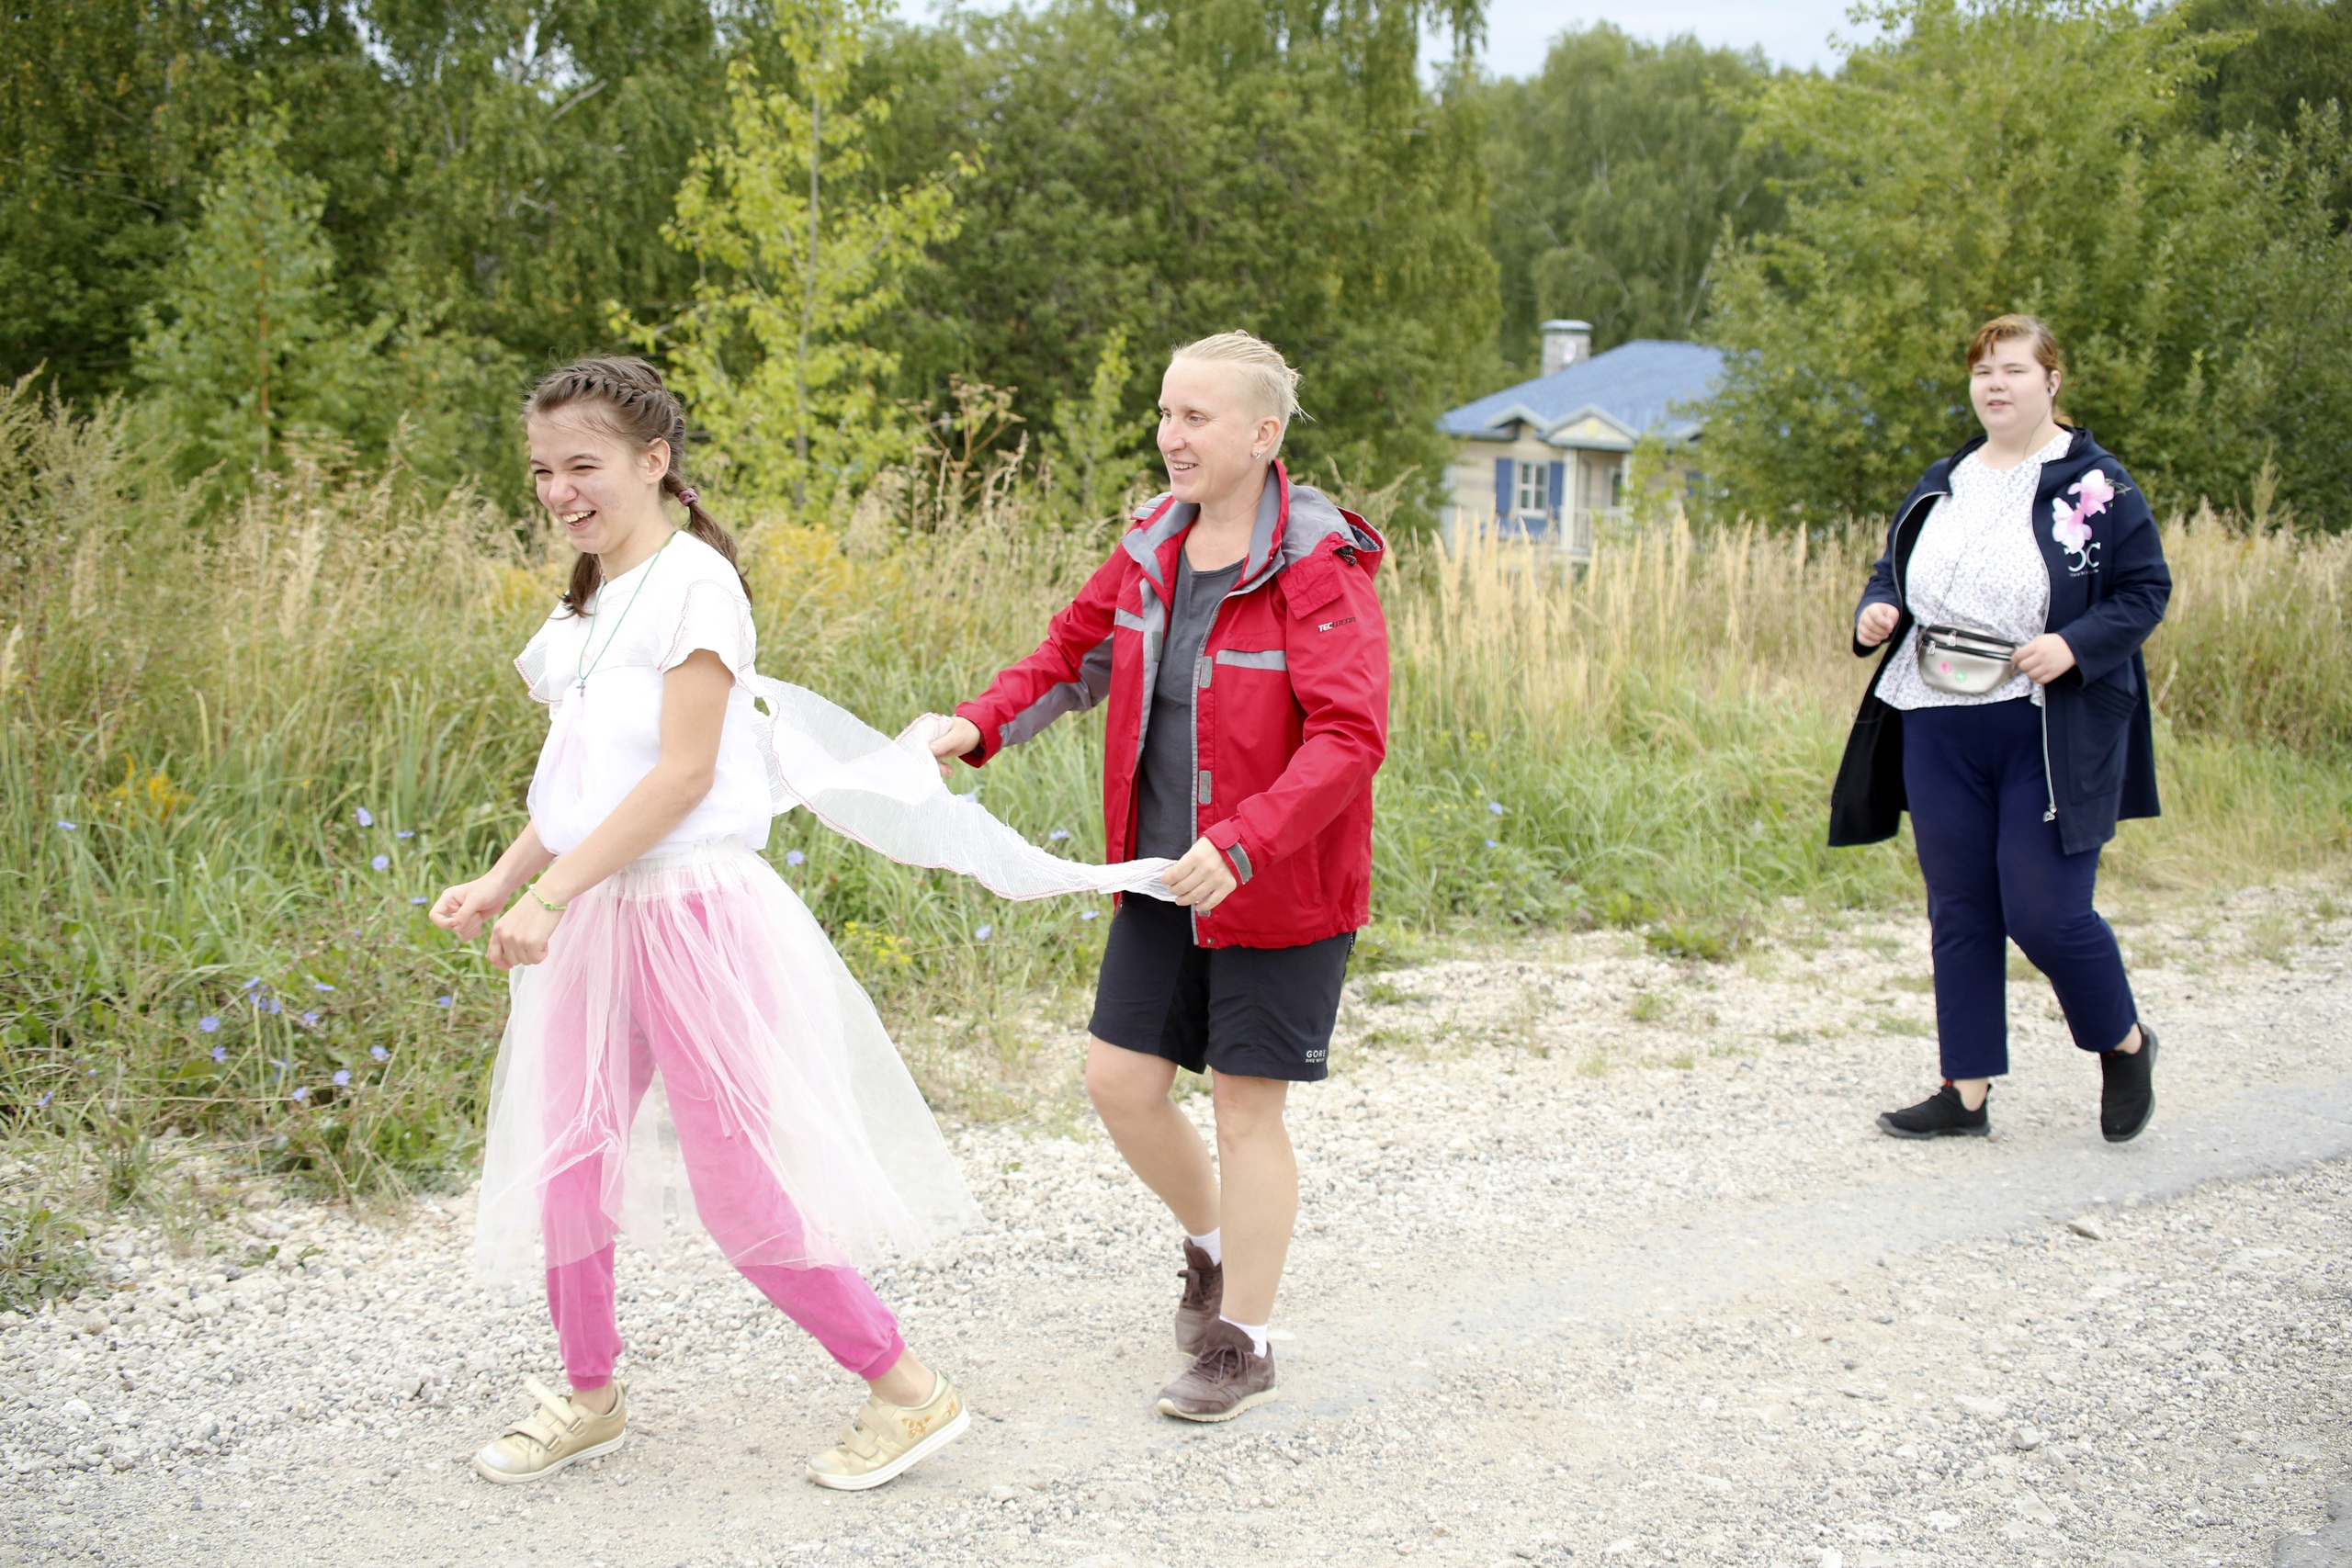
1940, 1116
2128, 1096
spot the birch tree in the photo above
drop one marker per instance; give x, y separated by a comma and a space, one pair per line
799, 253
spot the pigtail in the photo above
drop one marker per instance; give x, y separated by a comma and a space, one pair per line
587, 576
699, 523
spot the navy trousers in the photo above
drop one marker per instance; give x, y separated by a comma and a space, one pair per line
1995, 873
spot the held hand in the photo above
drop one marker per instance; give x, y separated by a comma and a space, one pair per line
462, 910
2045, 659
960, 737
1876, 624
520, 937
1202, 879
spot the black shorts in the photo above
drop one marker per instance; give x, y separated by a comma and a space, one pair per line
1258, 1012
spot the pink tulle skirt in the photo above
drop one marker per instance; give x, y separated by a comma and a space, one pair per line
702, 975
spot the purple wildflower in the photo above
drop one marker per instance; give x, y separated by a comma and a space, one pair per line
417, 900
1495, 808
342, 1078
1492, 845
405, 833
444, 1002
381, 862
310, 1020
301, 1093
1089, 914
794, 857
69, 827
983, 933
43, 1101
220, 1053
1057, 835
208, 1024
380, 1053
366, 817
321, 986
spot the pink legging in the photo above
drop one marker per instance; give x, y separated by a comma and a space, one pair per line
735, 1192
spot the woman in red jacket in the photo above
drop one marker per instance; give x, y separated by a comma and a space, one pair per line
1237, 636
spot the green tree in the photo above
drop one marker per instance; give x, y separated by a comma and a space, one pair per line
1091, 447
804, 256
1614, 173
492, 174
536, 151
2019, 155
2270, 435
250, 348
2285, 54
112, 113
1170, 170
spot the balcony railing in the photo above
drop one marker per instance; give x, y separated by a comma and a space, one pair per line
1571, 536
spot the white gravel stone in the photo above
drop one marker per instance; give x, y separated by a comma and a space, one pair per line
1566, 1280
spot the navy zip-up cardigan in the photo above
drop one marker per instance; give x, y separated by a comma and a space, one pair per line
2107, 592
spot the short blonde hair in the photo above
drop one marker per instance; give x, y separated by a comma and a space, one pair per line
1273, 383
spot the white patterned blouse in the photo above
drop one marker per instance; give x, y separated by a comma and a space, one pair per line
1976, 565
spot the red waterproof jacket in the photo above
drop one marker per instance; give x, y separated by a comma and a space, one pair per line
1290, 709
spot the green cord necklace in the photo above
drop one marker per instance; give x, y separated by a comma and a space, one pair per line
588, 669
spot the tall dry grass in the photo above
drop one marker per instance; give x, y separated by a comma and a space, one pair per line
273, 733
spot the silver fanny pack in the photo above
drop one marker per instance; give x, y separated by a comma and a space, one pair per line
1963, 662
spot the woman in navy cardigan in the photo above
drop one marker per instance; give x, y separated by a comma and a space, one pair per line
2034, 536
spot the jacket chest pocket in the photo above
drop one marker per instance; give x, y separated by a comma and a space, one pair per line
1250, 720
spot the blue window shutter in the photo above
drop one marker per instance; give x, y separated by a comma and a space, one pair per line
1503, 477
1559, 490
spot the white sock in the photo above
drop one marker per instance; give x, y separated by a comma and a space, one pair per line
1257, 1332
1213, 1244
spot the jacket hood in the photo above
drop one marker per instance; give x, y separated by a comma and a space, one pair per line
2082, 450
1283, 535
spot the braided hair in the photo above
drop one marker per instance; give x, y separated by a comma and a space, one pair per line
625, 397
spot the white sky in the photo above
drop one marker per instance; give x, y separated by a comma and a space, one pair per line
1792, 32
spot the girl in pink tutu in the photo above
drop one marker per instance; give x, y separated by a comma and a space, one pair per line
664, 977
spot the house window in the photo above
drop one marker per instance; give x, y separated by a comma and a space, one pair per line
1534, 488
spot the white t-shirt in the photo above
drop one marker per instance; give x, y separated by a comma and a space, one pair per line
1976, 564
604, 731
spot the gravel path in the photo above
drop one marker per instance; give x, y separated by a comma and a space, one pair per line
1600, 1262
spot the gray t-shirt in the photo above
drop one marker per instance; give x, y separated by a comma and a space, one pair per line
1164, 782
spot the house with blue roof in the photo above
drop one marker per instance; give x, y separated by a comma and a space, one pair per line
1546, 458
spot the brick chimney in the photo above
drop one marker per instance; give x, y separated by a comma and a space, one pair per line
1566, 343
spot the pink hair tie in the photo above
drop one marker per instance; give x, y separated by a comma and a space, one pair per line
687, 497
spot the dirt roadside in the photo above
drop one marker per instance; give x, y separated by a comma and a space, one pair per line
1600, 1262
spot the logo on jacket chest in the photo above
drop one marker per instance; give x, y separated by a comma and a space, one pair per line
2071, 525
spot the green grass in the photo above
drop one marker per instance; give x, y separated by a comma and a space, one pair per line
42, 1256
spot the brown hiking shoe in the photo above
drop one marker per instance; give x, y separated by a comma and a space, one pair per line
1227, 1378
1203, 1299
